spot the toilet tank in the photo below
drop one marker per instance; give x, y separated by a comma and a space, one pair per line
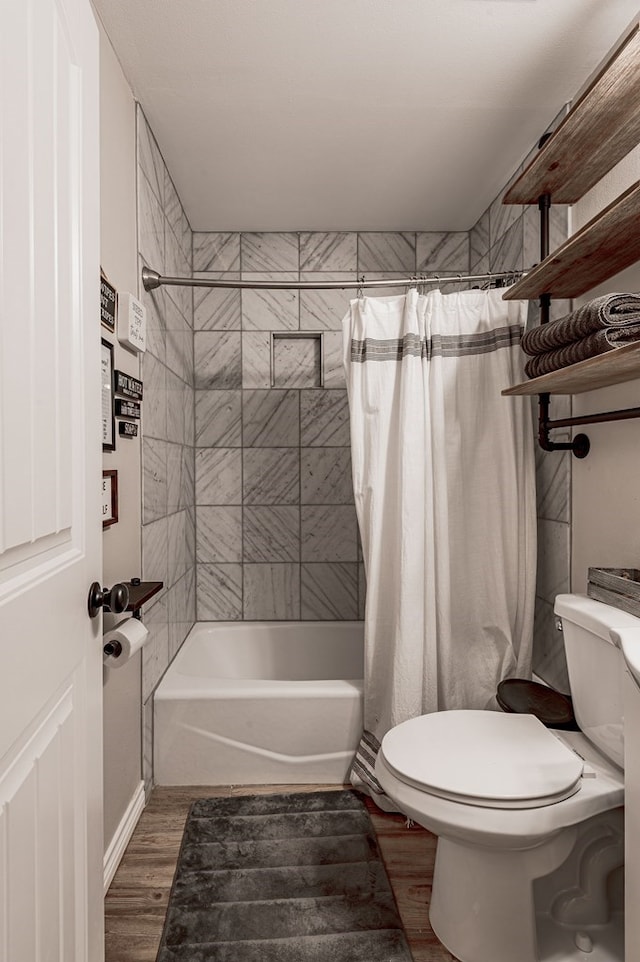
596, 668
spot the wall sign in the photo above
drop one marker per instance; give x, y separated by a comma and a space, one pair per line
127, 409
107, 304
127, 429
106, 374
109, 498
127, 385
132, 322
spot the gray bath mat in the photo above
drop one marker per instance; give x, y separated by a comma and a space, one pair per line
281, 878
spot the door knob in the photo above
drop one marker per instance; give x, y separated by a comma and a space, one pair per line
113, 599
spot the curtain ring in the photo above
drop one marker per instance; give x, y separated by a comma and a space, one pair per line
360, 290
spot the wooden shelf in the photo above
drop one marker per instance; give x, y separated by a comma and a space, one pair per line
607, 244
600, 129
614, 367
141, 593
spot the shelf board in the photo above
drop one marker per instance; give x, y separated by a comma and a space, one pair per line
141, 593
607, 244
599, 130
614, 367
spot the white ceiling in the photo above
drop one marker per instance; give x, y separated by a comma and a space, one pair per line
352, 114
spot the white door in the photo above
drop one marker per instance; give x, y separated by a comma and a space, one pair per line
50, 466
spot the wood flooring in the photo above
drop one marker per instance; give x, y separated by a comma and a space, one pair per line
136, 902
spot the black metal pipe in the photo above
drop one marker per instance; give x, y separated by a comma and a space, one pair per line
625, 415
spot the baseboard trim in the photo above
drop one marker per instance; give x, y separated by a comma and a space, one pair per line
123, 834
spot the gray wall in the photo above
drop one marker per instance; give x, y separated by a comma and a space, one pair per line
276, 525
168, 513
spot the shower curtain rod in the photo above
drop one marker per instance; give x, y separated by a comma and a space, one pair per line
151, 280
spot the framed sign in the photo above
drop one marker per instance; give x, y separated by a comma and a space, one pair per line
128, 429
127, 409
108, 304
106, 373
109, 498
129, 386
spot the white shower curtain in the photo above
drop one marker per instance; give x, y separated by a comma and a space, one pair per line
444, 485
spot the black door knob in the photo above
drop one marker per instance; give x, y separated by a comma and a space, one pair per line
113, 599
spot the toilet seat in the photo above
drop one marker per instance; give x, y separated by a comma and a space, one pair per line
483, 758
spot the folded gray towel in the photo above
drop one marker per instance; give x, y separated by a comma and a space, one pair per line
590, 346
610, 310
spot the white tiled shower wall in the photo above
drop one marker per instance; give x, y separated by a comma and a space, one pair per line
247, 501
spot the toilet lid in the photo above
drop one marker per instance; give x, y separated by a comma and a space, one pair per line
483, 758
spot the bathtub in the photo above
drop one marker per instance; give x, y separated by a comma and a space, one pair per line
251, 703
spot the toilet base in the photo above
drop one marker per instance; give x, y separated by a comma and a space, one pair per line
483, 906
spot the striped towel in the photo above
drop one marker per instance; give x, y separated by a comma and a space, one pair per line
593, 344
608, 311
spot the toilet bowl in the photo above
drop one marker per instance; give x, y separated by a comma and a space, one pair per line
529, 820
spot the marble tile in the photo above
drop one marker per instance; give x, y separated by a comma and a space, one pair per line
176, 263
150, 159
334, 376
154, 479
179, 407
325, 476
328, 251
271, 534
324, 419
218, 534
270, 310
150, 226
218, 361
182, 298
271, 592
181, 611
328, 533
549, 659
324, 310
154, 303
271, 475
155, 654
507, 253
553, 483
256, 359
216, 251
177, 221
479, 239
179, 345
270, 419
177, 545
480, 266
297, 362
269, 251
190, 535
501, 218
180, 476
154, 407
218, 476
386, 276
217, 308
442, 251
219, 592
155, 551
387, 251
554, 559
147, 746
362, 591
219, 419
329, 592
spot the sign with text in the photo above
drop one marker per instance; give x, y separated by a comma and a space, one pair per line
127, 429
127, 409
107, 304
128, 386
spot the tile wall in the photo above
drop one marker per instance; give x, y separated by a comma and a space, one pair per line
506, 237
275, 520
168, 427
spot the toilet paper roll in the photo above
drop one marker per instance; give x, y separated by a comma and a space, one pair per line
130, 635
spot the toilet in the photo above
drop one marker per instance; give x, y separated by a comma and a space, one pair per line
529, 819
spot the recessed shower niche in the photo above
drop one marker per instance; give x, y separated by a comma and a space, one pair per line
297, 359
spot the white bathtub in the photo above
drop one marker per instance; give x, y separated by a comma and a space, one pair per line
250, 703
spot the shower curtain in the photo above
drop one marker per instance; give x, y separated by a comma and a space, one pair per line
444, 484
